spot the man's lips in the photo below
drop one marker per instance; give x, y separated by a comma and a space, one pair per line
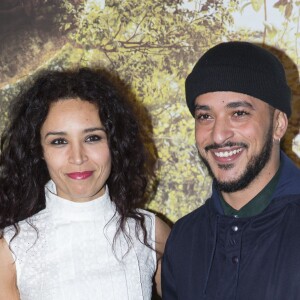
80, 175
227, 153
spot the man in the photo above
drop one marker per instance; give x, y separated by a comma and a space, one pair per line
244, 242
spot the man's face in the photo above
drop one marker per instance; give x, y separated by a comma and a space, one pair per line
234, 136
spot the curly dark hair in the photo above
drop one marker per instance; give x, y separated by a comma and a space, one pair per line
23, 172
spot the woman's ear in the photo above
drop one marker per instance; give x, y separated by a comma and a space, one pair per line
280, 124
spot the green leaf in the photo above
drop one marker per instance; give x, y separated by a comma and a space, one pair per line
67, 26
257, 4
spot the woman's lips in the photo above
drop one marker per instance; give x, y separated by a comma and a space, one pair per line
80, 175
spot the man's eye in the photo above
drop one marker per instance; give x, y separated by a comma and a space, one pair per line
203, 117
58, 142
240, 113
93, 138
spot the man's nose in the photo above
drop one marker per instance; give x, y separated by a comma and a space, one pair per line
222, 131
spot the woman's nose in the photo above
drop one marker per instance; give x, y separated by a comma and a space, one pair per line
77, 155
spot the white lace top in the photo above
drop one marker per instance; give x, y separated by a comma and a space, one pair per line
70, 255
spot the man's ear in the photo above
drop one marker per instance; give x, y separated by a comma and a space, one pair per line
280, 124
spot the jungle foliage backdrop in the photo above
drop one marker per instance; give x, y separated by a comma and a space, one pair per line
152, 45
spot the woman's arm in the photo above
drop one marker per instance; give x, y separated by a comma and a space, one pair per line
8, 274
162, 231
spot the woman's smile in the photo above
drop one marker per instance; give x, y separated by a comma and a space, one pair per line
80, 175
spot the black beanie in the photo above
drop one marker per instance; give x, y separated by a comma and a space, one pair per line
240, 67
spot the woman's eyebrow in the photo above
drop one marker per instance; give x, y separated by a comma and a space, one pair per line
64, 133
55, 133
94, 129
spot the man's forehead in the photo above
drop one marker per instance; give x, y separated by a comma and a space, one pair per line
229, 100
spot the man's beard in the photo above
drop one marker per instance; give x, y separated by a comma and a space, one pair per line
252, 170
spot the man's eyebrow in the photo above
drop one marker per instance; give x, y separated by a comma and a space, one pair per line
202, 107
239, 104
234, 104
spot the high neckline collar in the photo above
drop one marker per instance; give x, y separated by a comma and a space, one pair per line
64, 207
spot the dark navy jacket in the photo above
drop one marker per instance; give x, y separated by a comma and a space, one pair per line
210, 256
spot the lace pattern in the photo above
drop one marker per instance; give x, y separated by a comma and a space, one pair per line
65, 252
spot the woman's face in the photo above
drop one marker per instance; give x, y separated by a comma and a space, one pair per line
76, 150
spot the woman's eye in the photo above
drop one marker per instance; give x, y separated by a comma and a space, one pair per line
93, 138
58, 142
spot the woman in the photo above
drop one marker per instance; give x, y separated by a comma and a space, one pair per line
72, 176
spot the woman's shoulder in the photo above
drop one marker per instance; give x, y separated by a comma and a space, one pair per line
162, 229
146, 212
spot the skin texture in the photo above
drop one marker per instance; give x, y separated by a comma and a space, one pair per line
232, 130
76, 152
162, 231
8, 282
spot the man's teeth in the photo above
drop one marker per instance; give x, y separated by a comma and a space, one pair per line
228, 153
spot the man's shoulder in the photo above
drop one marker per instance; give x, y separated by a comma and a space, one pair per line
289, 178
193, 217
194, 220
